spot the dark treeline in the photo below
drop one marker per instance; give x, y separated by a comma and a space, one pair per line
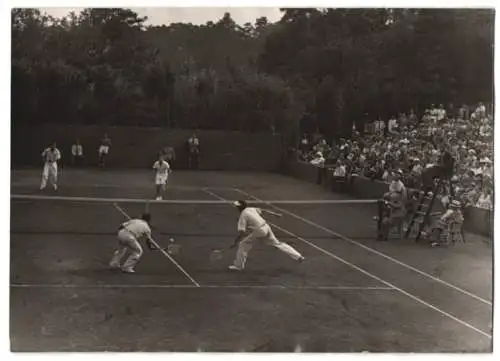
322, 69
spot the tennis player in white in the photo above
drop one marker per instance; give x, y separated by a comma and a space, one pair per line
50, 157
162, 169
253, 227
129, 234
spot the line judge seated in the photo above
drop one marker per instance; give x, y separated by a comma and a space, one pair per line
339, 176
397, 186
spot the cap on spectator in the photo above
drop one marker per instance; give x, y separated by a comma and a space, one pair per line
455, 204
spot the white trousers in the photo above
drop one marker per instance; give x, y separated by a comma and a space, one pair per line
49, 173
264, 234
127, 242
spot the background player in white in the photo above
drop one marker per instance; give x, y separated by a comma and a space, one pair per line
50, 157
104, 150
162, 169
129, 234
252, 226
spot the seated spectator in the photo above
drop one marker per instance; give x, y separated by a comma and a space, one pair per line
339, 170
484, 200
396, 185
304, 144
318, 160
452, 214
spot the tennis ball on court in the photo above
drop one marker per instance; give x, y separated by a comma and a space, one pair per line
171, 240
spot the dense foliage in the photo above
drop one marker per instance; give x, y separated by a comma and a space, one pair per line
324, 67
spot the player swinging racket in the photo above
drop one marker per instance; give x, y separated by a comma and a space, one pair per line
129, 234
252, 222
50, 157
162, 169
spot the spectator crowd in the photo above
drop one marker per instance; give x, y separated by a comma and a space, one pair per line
410, 145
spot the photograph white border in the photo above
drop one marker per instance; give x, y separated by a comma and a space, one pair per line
5, 158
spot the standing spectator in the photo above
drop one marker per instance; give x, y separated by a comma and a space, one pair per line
481, 111
319, 161
77, 154
104, 150
440, 113
392, 125
194, 151
304, 145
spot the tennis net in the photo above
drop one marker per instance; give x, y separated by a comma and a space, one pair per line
35, 214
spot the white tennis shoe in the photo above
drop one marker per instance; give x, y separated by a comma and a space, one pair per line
128, 270
114, 265
235, 268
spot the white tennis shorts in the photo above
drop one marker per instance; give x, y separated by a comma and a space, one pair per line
161, 179
103, 149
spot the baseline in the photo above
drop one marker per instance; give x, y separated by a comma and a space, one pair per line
205, 286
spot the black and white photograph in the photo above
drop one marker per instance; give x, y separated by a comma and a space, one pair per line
287, 179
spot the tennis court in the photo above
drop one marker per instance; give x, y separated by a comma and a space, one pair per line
352, 293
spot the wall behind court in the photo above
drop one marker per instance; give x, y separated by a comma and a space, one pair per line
136, 147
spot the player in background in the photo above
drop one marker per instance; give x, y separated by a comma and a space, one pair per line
251, 227
162, 169
129, 234
50, 157
104, 150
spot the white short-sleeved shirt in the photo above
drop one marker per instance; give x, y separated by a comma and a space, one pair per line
162, 167
250, 219
138, 227
51, 156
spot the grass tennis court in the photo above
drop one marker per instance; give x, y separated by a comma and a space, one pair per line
352, 293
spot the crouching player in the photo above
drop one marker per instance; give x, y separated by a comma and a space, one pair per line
251, 221
162, 169
129, 234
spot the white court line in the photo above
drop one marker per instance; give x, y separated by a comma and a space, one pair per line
179, 267
388, 284
188, 286
456, 288
179, 201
